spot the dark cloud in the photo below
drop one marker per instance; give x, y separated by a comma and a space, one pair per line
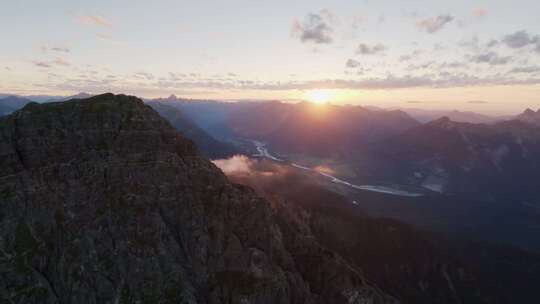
491, 58
434, 24
315, 29
351, 63
364, 49
520, 39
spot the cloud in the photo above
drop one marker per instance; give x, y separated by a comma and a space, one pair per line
351, 63
60, 61
453, 65
491, 58
391, 82
144, 75
520, 39
42, 64
526, 70
107, 38
434, 24
364, 49
403, 58
7, 68
96, 20
238, 164
472, 43
492, 43
479, 13
315, 29
60, 49
422, 66
477, 102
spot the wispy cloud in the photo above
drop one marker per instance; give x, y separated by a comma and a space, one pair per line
144, 75
434, 24
480, 13
61, 61
109, 39
60, 49
42, 64
526, 70
491, 58
95, 20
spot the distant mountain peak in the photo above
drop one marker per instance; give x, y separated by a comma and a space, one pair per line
529, 116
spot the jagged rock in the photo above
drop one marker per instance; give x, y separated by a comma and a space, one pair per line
101, 201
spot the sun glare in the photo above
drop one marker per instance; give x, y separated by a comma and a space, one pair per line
318, 96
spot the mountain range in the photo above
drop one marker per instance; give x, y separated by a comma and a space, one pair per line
103, 201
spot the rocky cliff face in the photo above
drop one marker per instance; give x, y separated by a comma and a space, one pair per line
101, 201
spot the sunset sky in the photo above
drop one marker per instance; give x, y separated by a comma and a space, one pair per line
467, 55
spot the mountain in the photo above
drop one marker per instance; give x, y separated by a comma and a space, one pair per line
102, 201
530, 116
12, 103
414, 265
424, 115
209, 146
5, 110
304, 128
457, 158
320, 130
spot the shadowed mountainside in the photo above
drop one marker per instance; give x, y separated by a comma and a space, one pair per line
102, 201
209, 146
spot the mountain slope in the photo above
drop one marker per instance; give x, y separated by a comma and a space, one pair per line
12, 103
530, 116
452, 157
415, 266
424, 116
322, 130
209, 146
103, 202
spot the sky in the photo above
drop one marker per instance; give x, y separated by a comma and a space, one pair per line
466, 55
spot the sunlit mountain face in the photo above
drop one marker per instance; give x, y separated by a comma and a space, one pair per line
308, 152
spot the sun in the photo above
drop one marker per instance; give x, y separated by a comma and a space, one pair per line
318, 96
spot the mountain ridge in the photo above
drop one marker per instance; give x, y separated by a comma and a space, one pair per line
103, 201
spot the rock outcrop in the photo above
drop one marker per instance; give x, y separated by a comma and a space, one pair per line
102, 201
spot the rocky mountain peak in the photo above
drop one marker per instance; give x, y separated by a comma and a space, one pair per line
103, 202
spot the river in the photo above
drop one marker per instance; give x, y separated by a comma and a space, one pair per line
263, 152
